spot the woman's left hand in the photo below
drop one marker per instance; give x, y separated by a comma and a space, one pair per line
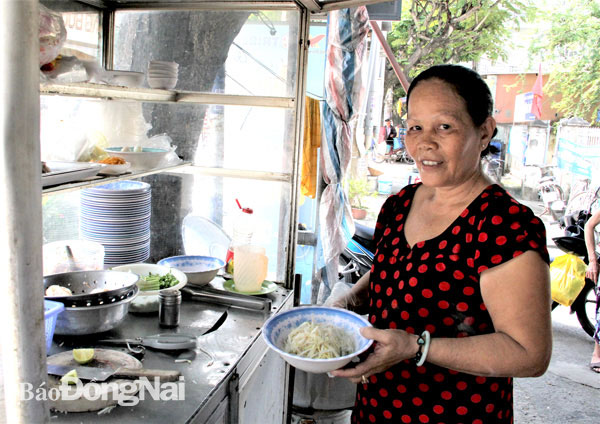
391, 347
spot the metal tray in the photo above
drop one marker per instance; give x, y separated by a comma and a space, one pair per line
65, 172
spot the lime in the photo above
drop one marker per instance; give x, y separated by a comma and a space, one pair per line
69, 378
83, 356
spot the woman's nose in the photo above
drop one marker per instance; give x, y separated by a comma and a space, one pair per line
426, 140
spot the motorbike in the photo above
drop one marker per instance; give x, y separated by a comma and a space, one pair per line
550, 192
397, 153
358, 256
400, 155
584, 306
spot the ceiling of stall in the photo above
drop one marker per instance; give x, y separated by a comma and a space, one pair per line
315, 6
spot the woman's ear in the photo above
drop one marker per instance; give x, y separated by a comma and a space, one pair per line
488, 131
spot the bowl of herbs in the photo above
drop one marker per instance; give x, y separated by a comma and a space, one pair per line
153, 279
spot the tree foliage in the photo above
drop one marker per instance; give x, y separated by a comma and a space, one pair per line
452, 31
570, 42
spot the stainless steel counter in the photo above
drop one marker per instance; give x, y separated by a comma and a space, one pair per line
235, 348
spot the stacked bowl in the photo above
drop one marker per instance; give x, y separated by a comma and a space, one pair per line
117, 215
162, 75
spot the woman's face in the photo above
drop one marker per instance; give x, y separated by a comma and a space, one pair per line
441, 136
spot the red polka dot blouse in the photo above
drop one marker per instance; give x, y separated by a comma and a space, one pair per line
434, 286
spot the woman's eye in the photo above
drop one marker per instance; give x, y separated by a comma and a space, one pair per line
445, 126
414, 128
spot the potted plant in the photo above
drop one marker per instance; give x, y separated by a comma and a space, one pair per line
357, 190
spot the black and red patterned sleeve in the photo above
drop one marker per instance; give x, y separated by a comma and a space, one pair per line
506, 230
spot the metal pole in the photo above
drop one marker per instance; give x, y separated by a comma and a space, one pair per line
23, 348
390, 55
303, 32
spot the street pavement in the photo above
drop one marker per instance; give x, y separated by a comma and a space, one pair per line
569, 392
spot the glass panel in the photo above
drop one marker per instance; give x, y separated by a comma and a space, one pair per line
241, 52
215, 198
174, 196
83, 35
304, 266
235, 137
248, 138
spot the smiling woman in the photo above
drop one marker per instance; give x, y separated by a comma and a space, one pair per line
449, 124
458, 294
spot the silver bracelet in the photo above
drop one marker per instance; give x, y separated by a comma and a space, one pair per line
423, 341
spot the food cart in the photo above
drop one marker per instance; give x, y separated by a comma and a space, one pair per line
236, 117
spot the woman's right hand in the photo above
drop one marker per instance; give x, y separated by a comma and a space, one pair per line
592, 271
390, 347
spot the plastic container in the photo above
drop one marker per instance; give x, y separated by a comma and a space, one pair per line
250, 269
51, 311
243, 228
87, 256
384, 184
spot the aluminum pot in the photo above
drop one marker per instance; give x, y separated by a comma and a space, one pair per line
80, 320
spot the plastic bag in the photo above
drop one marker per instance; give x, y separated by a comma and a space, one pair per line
70, 129
338, 294
65, 70
52, 34
567, 274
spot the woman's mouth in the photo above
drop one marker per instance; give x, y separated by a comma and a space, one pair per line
430, 162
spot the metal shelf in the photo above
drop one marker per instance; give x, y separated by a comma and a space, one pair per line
99, 179
109, 92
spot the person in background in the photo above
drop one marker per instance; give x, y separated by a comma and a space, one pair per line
592, 273
459, 291
387, 134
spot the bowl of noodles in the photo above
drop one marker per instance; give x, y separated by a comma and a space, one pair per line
316, 339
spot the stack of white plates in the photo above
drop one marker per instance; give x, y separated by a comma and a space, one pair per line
162, 74
117, 215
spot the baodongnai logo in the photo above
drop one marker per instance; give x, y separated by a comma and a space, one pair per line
126, 393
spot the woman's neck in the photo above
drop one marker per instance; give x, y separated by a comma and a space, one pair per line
457, 196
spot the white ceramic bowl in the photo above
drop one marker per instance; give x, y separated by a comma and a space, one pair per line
200, 270
125, 78
148, 158
147, 301
115, 169
162, 83
161, 74
159, 64
277, 328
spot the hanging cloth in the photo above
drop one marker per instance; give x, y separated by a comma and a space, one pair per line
347, 31
310, 147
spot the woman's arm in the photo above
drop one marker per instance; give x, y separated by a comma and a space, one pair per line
590, 244
355, 299
517, 296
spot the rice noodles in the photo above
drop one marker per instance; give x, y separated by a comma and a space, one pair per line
319, 341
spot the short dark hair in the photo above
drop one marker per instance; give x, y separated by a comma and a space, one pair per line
469, 85
387, 120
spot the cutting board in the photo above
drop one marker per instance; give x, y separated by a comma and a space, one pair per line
107, 395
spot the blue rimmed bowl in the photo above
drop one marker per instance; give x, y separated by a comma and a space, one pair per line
277, 328
199, 270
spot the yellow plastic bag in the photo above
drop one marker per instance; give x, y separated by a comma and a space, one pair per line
567, 273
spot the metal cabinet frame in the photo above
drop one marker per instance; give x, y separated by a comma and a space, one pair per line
23, 350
